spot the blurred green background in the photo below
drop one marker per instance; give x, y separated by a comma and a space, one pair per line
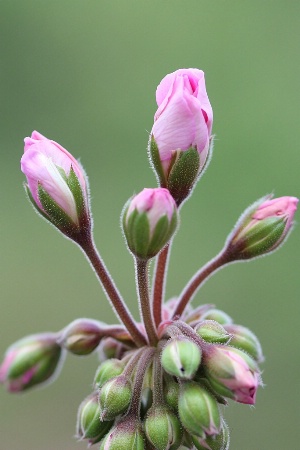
84, 73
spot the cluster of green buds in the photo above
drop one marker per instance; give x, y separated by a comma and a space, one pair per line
162, 382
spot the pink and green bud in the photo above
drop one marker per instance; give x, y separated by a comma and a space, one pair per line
216, 442
107, 370
149, 221
82, 336
89, 425
212, 331
181, 134
245, 339
31, 361
232, 373
114, 397
262, 228
126, 435
57, 185
163, 429
198, 410
181, 358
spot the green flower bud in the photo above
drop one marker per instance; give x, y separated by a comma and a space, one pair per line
82, 336
198, 410
146, 401
216, 442
89, 425
110, 348
30, 361
181, 358
149, 221
114, 397
162, 428
212, 331
218, 315
171, 393
108, 369
126, 435
244, 339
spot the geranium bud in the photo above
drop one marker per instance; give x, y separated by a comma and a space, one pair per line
82, 336
89, 425
216, 442
181, 134
126, 435
30, 361
162, 428
232, 373
149, 221
262, 227
198, 410
114, 397
57, 185
181, 358
212, 331
107, 370
171, 392
245, 339
218, 316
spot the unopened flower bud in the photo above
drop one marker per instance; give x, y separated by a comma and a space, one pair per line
126, 435
171, 392
163, 429
212, 331
198, 410
114, 397
181, 358
181, 134
82, 336
245, 339
232, 373
216, 442
89, 426
57, 186
218, 316
30, 361
108, 369
262, 227
149, 221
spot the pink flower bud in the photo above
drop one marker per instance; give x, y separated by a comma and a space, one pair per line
262, 227
232, 373
49, 166
149, 221
184, 116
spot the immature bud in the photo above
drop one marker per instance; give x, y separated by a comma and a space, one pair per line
30, 361
262, 227
212, 331
232, 373
198, 410
82, 336
216, 442
108, 369
57, 186
171, 392
110, 348
149, 221
114, 397
181, 358
218, 316
245, 339
126, 435
89, 425
163, 429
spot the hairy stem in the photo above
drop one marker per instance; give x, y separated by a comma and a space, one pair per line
141, 268
159, 283
142, 366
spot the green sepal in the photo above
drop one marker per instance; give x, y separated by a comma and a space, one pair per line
183, 174
76, 189
264, 236
160, 236
56, 214
35, 206
155, 158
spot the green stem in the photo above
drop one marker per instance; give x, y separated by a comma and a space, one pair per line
141, 267
159, 283
198, 279
113, 295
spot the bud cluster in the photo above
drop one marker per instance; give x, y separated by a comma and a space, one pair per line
162, 382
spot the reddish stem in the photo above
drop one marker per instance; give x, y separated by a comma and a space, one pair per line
159, 284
